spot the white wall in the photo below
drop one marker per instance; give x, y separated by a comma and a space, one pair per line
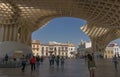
88, 44
10, 47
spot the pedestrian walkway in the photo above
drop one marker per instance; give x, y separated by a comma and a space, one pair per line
105, 68
72, 68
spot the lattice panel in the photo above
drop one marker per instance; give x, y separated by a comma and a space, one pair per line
102, 16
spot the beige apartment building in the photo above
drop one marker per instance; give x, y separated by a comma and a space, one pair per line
35, 47
62, 49
111, 50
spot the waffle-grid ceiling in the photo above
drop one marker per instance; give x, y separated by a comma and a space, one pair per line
102, 16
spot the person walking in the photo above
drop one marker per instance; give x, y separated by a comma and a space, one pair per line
50, 59
91, 65
115, 61
62, 59
41, 59
6, 58
85, 57
32, 62
57, 60
23, 63
37, 62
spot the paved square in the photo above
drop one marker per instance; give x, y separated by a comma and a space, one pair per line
72, 68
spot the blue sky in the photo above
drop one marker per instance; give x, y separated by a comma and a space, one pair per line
63, 29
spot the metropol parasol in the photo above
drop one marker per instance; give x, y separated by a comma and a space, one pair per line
19, 18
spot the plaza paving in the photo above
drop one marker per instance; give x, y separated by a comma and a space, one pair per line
72, 68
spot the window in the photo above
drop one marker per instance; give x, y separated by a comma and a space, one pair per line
66, 54
42, 48
111, 52
55, 49
47, 48
51, 49
33, 45
58, 52
38, 46
59, 48
46, 54
37, 49
62, 48
66, 48
42, 52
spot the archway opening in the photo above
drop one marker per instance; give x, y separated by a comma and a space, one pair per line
62, 30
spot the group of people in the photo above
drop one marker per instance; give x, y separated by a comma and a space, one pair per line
57, 59
34, 62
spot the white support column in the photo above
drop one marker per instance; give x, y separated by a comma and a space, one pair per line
8, 33
1, 33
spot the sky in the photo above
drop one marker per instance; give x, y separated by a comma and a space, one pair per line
63, 29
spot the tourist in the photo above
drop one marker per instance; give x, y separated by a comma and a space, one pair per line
53, 59
62, 59
57, 60
50, 59
37, 62
91, 65
115, 61
23, 63
85, 57
6, 58
41, 59
33, 62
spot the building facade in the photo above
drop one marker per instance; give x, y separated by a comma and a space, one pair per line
71, 50
111, 50
36, 47
84, 47
62, 49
